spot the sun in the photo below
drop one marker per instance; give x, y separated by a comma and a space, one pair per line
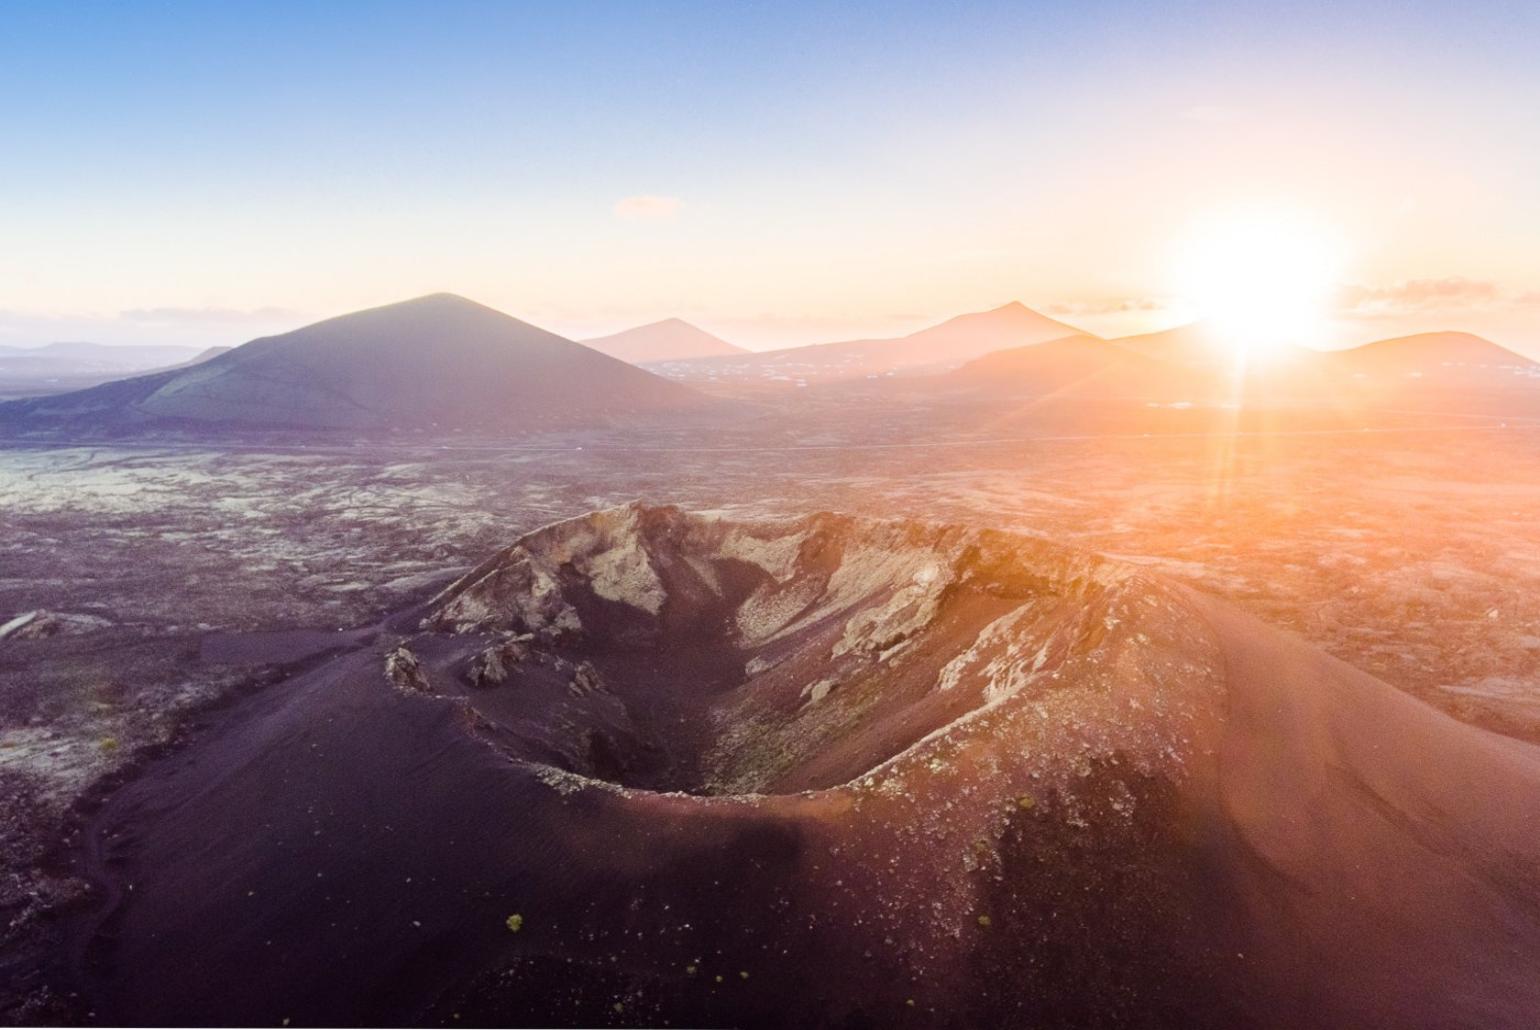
1260, 279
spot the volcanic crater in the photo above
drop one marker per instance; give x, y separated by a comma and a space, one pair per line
695, 653
648, 766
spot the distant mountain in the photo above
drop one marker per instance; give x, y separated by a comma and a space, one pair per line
1445, 371
1190, 364
672, 339
437, 362
1431, 353
71, 357
62, 367
939, 347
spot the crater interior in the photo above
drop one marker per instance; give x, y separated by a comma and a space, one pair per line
670, 651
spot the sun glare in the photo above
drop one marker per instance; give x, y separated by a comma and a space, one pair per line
1260, 279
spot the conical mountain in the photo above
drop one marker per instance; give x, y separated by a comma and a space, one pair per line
436, 362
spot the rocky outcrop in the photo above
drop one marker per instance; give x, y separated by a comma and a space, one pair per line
492, 667
405, 672
585, 679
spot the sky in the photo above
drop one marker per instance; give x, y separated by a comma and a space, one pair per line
778, 173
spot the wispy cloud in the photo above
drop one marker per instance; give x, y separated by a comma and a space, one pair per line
1416, 295
186, 326
647, 208
1106, 306
208, 316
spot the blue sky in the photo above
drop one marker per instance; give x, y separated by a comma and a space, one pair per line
215, 170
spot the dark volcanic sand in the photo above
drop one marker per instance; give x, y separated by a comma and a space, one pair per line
1043, 790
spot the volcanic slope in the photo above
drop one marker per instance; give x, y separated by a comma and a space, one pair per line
437, 362
648, 767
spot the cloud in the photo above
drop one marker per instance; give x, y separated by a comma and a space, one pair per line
647, 208
1416, 295
207, 316
182, 326
1107, 306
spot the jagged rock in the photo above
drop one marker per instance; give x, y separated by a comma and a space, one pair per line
491, 667
585, 679
405, 673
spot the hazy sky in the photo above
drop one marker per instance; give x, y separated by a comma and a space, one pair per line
775, 172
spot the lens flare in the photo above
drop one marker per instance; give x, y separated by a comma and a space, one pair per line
1260, 279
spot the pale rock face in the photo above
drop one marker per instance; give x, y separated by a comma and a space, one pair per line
816, 692
41, 624
524, 592
519, 594
775, 552
1003, 655
910, 609
619, 570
